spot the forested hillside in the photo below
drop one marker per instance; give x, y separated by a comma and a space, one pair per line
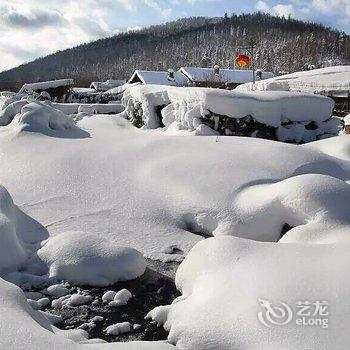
283, 45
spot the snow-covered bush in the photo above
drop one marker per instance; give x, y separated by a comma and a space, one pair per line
284, 116
90, 260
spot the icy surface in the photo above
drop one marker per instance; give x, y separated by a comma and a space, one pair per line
225, 281
330, 79
88, 259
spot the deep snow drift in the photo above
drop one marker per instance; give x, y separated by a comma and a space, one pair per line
227, 283
125, 187
330, 79
151, 192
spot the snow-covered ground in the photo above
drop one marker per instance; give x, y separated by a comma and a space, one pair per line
128, 191
330, 79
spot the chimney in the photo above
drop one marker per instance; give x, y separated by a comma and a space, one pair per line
216, 69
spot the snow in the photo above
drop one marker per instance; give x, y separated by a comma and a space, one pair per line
106, 85
109, 295
24, 328
237, 76
32, 87
77, 300
118, 328
95, 108
157, 78
56, 290
12, 252
347, 119
88, 259
187, 105
9, 112
122, 297
224, 279
42, 118
146, 190
324, 80
125, 187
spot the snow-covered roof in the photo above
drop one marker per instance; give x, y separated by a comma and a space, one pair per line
323, 80
44, 85
106, 85
196, 74
157, 78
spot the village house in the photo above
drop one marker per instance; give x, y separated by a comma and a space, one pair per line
57, 90
170, 78
221, 78
101, 86
200, 77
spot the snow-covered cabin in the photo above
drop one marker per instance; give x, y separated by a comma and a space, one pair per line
106, 85
333, 82
170, 78
221, 78
57, 89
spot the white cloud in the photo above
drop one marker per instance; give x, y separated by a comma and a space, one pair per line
36, 28
262, 6
282, 10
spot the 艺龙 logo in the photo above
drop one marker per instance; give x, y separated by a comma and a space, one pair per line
274, 315
307, 313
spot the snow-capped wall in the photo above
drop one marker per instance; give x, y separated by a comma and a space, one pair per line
232, 112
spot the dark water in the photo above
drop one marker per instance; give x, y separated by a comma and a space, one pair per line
156, 287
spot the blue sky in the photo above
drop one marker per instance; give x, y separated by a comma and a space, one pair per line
33, 28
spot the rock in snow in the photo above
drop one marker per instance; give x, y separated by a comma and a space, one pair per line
87, 259
56, 290
118, 328
24, 328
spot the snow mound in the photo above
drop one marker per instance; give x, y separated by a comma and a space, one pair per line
88, 259
37, 116
323, 80
9, 112
157, 106
12, 253
41, 117
323, 218
231, 289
